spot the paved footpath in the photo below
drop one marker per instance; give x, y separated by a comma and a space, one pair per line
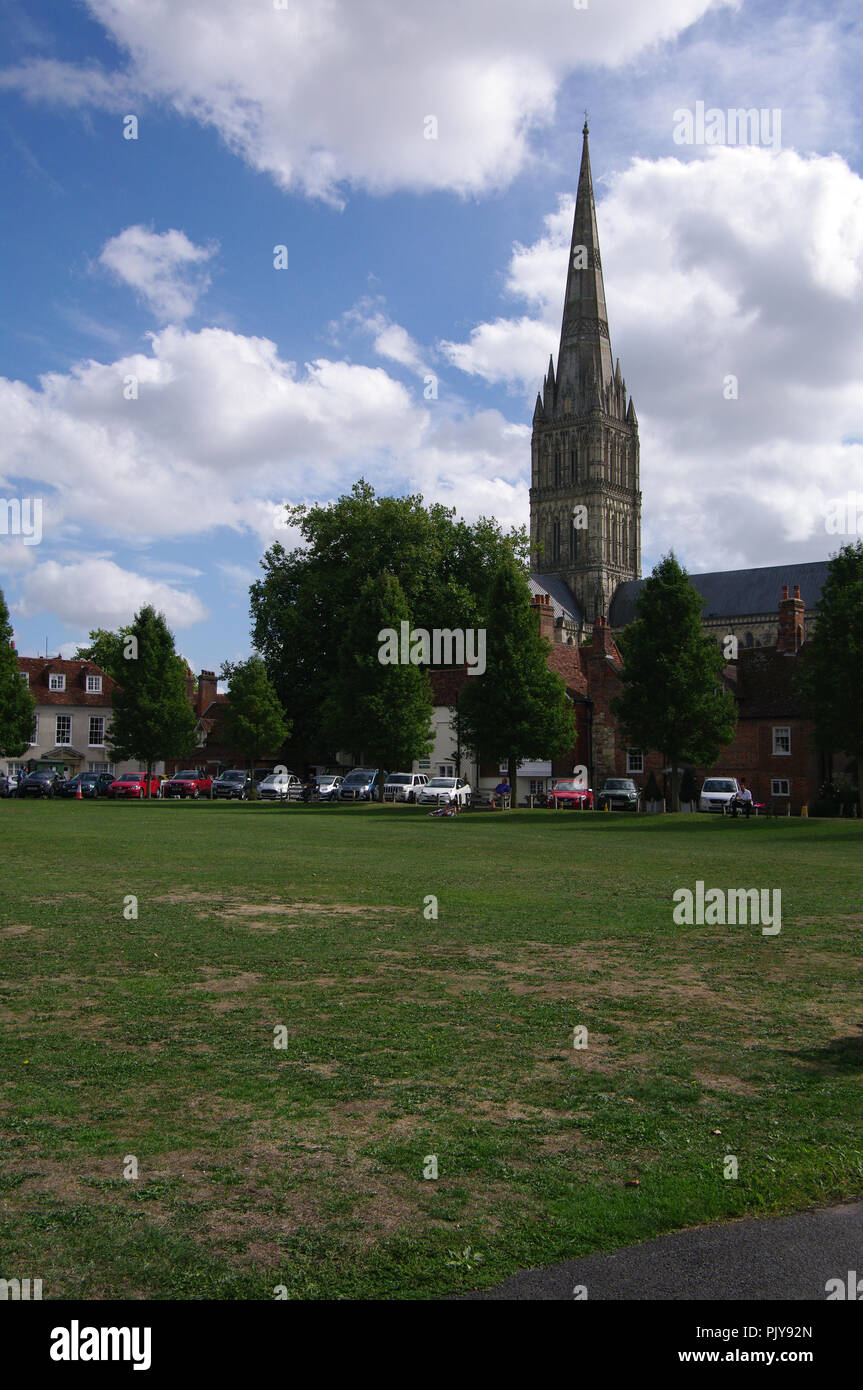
753, 1258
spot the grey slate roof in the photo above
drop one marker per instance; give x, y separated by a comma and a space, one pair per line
734, 593
562, 600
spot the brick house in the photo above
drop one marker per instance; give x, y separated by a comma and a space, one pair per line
74, 701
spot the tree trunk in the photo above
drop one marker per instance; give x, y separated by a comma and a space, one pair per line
149, 776
253, 791
512, 778
675, 785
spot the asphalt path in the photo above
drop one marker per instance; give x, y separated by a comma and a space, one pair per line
784, 1257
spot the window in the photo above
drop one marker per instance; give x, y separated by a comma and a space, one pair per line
56, 682
446, 770
25, 677
99, 767
64, 728
555, 540
781, 740
780, 787
537, 786
94, 685
557, 474
634, 760
97, 731
424, 764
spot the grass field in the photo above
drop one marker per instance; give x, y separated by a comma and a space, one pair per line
303, 1166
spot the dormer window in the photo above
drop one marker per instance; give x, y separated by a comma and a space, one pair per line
94, 685
56, 682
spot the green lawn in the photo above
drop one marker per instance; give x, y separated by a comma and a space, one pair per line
407, 1038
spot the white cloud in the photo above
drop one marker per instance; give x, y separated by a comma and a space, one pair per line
332, 93
163, 268
221, 426
389, 339
98, 593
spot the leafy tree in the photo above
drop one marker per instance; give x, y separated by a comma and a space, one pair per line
107, 650
672, 698
152, 716
688, 786
16, 703
254, 721
382, 710
829, 675
302, 607
518, 709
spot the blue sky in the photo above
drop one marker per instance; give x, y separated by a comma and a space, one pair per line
303, 125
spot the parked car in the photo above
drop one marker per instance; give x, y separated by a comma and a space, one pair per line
234, 784
567, 792
404, 786
43, 782
189, 783
619, 794
89, 782
328, 784
133, 786
281, 786
445, 791
361, 784
717, 793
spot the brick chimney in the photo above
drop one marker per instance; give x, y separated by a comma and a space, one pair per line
207, 687
603, 643
542, 606
792, 621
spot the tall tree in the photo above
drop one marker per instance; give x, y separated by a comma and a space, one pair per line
152, 717
518, 708
672, 697
254, 720
829, 675
379, 707
303, 604
16, 703
106, 649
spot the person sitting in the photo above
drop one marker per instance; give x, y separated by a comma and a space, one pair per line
502, 790
742, 801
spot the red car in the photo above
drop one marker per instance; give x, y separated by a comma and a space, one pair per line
189, 783
573, 794
134, 784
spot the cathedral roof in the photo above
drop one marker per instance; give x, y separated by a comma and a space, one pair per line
562, 601
734, 593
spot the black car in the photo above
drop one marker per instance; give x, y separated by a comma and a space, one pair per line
92, 784
43, 782
235, 783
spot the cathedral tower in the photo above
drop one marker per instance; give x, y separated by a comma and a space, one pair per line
585, 502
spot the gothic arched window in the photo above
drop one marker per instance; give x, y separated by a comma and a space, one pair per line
555, 539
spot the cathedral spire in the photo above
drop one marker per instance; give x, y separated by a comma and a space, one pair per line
584, 341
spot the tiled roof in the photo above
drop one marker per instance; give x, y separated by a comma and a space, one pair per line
734, 593
39, 668
562, 600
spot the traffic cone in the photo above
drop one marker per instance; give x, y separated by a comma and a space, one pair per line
78, 796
